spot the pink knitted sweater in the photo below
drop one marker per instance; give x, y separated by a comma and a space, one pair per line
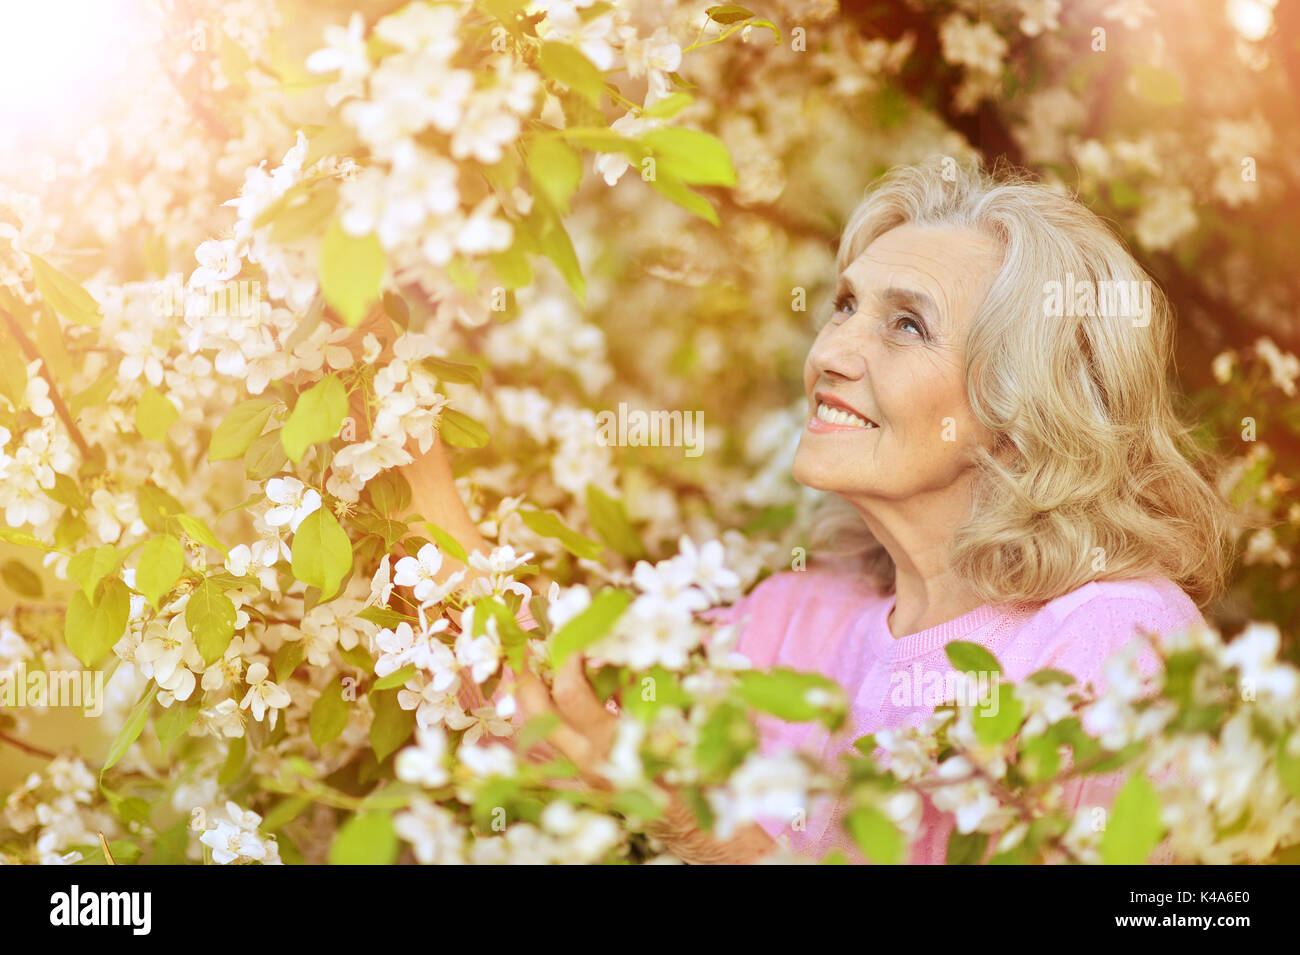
834, 623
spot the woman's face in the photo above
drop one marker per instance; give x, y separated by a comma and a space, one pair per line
888, 416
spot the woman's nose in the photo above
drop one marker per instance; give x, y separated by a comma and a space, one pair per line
839, 352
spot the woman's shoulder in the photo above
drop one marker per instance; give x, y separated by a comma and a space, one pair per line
816, 601
1154, 600
1078, 631
817, 586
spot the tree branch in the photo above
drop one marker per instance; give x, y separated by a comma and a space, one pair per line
27, 748
33, 354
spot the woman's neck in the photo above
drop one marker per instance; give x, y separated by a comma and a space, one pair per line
924, 602
918, 540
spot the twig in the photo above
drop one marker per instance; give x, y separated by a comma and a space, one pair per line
27, 748
33, 354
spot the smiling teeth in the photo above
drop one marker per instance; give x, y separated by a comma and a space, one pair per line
841, 417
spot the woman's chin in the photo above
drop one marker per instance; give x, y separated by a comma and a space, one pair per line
812, 473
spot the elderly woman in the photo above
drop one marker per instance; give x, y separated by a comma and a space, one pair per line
989, 407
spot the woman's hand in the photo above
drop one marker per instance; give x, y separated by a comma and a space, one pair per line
586, 729
585, 733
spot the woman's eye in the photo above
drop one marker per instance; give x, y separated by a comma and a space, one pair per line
904, 319
842, 304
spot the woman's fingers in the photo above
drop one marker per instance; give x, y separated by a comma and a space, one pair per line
535, 701
577, 701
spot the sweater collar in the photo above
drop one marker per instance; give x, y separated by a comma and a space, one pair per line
972, 626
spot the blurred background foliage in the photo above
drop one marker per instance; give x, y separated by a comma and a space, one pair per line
1173, 119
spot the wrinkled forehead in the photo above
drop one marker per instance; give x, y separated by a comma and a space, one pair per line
948, 268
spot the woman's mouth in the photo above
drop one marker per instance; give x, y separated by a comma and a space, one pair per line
836, 417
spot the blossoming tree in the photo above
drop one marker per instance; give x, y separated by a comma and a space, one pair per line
301, 247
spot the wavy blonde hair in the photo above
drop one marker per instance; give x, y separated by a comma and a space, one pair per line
1089, 452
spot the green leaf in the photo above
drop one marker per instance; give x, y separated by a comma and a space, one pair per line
1040, 758
727, 13
161, 563
172, 722
54, 350
89, 567
690, 155
392, 725
307, 325
512, 266
127, 808
237, 431
157, 507
265, 457
555, 169
546, 226
567, 65
689, 200
21, 579
506, 11
550, 525
288, 658
95, 394
358, 657
351, 271
383, 617
395, 307
65, 294
234, 763
793, 695
396, 678
774, 518
90, 630
446, 542
307, 214
611, 522
1134, 827
600, 139
966, 849
514, 639
993, 727
368, 838
317, 416
589, 626
170, 844
322, 553
66, 492
284, 812
1288, 762
971, 658
69, 531
21, 538
13, 377
669, 106
329, 714
1158, 86
198, 530
667, 692
389, 492
454, 371
877, 837
210, 615
131, 730
1048, 676
154, 414
460, 430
